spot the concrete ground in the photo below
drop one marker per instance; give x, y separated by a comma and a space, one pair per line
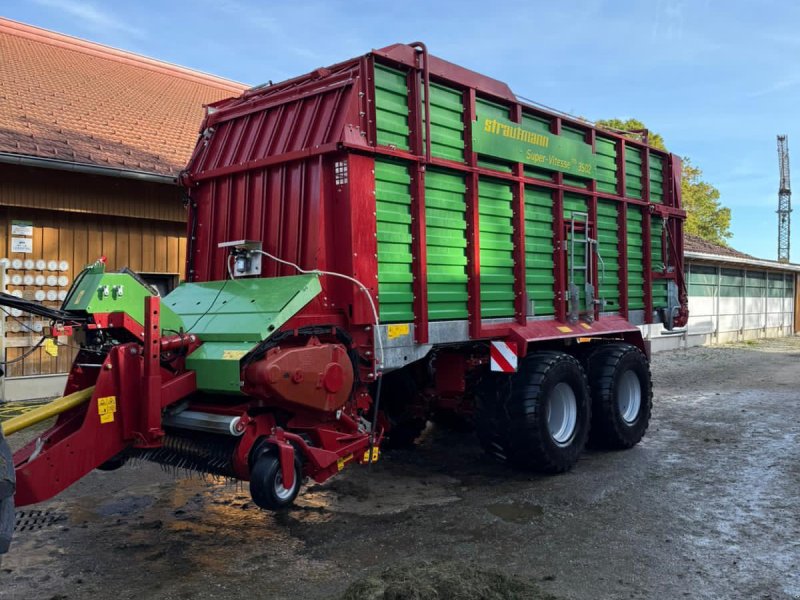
706, 507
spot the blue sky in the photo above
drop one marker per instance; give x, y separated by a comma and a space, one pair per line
718, 79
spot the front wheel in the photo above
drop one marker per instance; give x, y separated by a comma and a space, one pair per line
536, 418
266, 483
622, 395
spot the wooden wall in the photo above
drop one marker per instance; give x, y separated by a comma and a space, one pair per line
79, 229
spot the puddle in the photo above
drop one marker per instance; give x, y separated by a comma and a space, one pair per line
516, 512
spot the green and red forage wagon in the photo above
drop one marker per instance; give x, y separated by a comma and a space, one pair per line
379, 243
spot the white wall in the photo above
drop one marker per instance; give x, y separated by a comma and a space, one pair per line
717, 315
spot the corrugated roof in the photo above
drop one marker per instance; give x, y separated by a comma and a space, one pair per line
68, 99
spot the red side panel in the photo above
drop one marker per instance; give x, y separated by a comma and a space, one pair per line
261, 170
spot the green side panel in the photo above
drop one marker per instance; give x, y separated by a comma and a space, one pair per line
574, 204
633, 172
241, 310
635, 262
539, 279
660, 295
608, 253
447, 123
217, 365
656, 179
446, 235
393, 208
539, 125
99, 292
497, 248
496, 111
606, 164
391, 107
232, 316
580, 137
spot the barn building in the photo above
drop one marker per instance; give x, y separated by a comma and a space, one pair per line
733, 297
91, 141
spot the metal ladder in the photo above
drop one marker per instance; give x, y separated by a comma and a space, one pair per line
579, 222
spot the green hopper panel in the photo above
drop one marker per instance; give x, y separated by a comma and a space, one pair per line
98, 292
446, 235
656, 179
608, 253
232, 316
447, 123
633, 172
539, 278
635, 262
496, 248
657, 261
393, 209
391, 107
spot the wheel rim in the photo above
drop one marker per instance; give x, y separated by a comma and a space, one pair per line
629, 396
282, 492
562, 413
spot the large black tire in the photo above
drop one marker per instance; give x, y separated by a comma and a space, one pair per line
513, 413
266, 482
622, 396
7, 487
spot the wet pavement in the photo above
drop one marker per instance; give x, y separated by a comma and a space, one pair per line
707, 506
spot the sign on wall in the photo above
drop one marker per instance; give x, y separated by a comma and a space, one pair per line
22, 244
22, 228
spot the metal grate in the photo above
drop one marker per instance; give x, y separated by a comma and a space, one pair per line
340, 172
33, 520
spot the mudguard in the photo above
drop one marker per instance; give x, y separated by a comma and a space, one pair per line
7, 485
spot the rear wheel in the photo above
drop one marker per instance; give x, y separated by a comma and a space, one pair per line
266, 483
622, 395
536, 418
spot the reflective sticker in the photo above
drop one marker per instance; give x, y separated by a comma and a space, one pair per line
233, 354
503, 357
586, 326
565, 329
106, 407
398, 330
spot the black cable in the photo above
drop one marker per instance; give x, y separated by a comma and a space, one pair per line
210, 306
23, 323
26, 354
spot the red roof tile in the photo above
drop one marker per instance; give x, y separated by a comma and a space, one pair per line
67, 99
696, 244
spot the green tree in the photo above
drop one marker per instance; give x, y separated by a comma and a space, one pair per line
705, 216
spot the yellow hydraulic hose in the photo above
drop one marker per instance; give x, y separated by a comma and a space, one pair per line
51, 409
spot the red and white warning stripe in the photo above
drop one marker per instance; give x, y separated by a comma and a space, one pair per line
503, 357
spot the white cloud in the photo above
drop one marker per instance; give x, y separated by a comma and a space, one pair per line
93, 17
777, 86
